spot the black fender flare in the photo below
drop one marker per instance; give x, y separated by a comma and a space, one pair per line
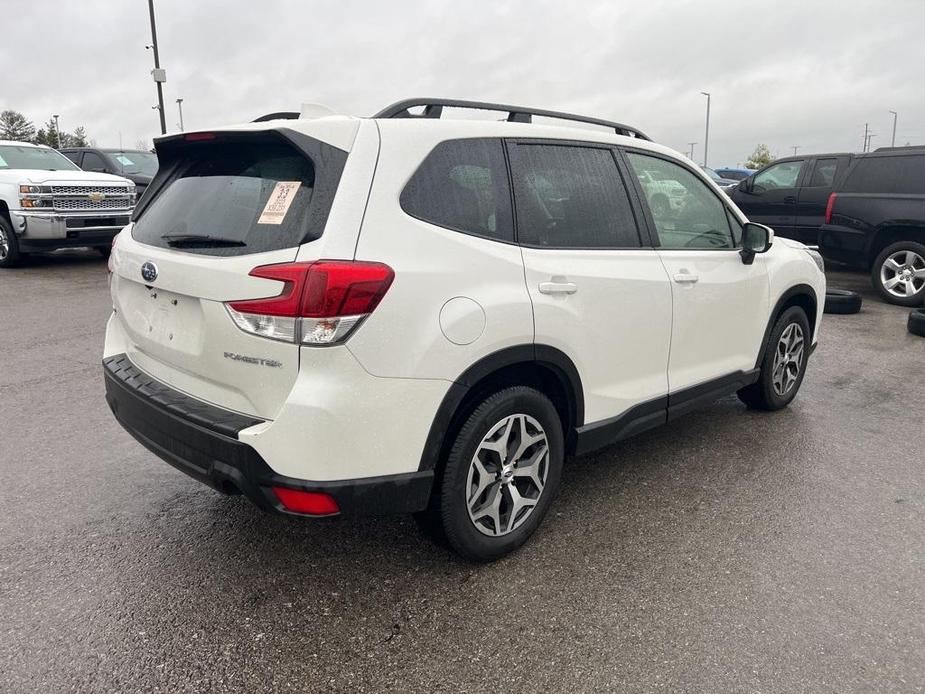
542, 355
794, 291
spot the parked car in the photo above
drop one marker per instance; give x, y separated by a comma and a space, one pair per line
790, 195
47, 203
136, 165
875, 220
416, 314
734, 174
721, 181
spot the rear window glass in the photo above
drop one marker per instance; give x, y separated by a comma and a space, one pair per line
233, 199
890, 174
824, 173
463, 185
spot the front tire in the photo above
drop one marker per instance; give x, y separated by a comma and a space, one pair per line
9, 245
784, 363
898, 273
502, 474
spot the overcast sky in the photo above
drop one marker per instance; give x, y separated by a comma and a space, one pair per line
807, 73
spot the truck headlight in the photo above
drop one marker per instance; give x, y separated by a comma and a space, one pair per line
31, 195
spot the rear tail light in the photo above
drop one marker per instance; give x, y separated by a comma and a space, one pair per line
309, 503
828, 208
321, 303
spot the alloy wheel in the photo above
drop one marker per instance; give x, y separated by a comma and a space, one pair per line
788, 359
507, 475
903, 274
4, 244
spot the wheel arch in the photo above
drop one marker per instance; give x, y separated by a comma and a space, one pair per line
892, 232
548, 369
801, 295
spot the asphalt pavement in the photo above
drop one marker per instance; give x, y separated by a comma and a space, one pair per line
731, 551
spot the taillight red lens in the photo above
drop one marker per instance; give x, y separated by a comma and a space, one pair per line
309, 503
199, 137
323, 289
828, 208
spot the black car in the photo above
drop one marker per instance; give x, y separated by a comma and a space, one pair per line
136, 165
790, 195
875, 220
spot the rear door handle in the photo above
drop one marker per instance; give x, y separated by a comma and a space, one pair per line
685, 278
790, 199
558, 287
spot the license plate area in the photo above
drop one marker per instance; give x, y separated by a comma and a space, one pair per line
160, 321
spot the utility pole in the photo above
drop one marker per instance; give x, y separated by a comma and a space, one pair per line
869, 138
57, 131
795, 148
691, 155
180, 108
895, 118
159, 75
864, 149
706, 137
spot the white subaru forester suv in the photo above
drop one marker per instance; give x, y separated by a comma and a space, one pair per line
415, 313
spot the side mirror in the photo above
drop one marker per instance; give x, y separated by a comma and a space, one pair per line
756, 238
745, 185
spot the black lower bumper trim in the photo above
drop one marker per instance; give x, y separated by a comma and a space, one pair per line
201, 440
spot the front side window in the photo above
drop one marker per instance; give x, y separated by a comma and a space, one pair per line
93, 162
686, 212
463, 185
824, 173
782, 175
570, 197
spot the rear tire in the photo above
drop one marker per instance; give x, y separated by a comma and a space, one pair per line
501, 475
784, 363
916, 322
9, 245
898, 273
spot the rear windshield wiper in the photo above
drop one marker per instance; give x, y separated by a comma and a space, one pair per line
202, 240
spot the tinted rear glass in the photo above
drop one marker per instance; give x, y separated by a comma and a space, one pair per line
234, 198
463, 185
887, 174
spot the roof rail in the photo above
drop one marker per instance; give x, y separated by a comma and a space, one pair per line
280, 115
905, 148
433, 108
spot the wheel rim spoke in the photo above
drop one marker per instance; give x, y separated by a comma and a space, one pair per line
788, 359
507, 475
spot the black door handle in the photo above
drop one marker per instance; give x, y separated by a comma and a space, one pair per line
790, 198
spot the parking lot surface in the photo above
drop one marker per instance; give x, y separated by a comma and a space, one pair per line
731, 551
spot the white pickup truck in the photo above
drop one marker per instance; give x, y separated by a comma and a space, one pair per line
47, 202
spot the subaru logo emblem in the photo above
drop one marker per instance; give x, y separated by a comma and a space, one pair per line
149, 271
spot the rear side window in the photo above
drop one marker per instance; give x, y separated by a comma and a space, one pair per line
889, 174
571, 197
236, 197
463, 185
823, 173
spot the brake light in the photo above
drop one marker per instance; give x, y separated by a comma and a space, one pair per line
828, 208
199, 137
309, 503
320, 303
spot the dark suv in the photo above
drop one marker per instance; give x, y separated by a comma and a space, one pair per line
136, 165
875, 220
790, 195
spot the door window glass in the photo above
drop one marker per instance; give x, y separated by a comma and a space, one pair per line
783, 175
824, 173
686, 212
571, 197
93, 162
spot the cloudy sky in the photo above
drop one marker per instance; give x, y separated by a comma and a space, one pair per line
808, 73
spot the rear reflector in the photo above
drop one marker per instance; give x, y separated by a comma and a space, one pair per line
320, 303
828, 208
309, 503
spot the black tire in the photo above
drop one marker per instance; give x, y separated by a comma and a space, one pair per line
762, 395
877, 273
916, 322
9, 245
452, 499
842, 301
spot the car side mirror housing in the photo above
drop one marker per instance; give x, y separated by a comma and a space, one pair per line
745, 185
756, 238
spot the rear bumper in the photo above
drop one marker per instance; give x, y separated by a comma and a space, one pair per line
202, 441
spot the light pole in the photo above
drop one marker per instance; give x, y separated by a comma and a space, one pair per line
870, 137
57, 131
180, 108
159, 75
795, 148
864, 148
895, 118
706, 137
691, 155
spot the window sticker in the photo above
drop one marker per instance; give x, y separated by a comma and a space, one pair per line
124, 160
278, 204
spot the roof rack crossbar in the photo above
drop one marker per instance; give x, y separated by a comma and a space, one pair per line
433, 108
